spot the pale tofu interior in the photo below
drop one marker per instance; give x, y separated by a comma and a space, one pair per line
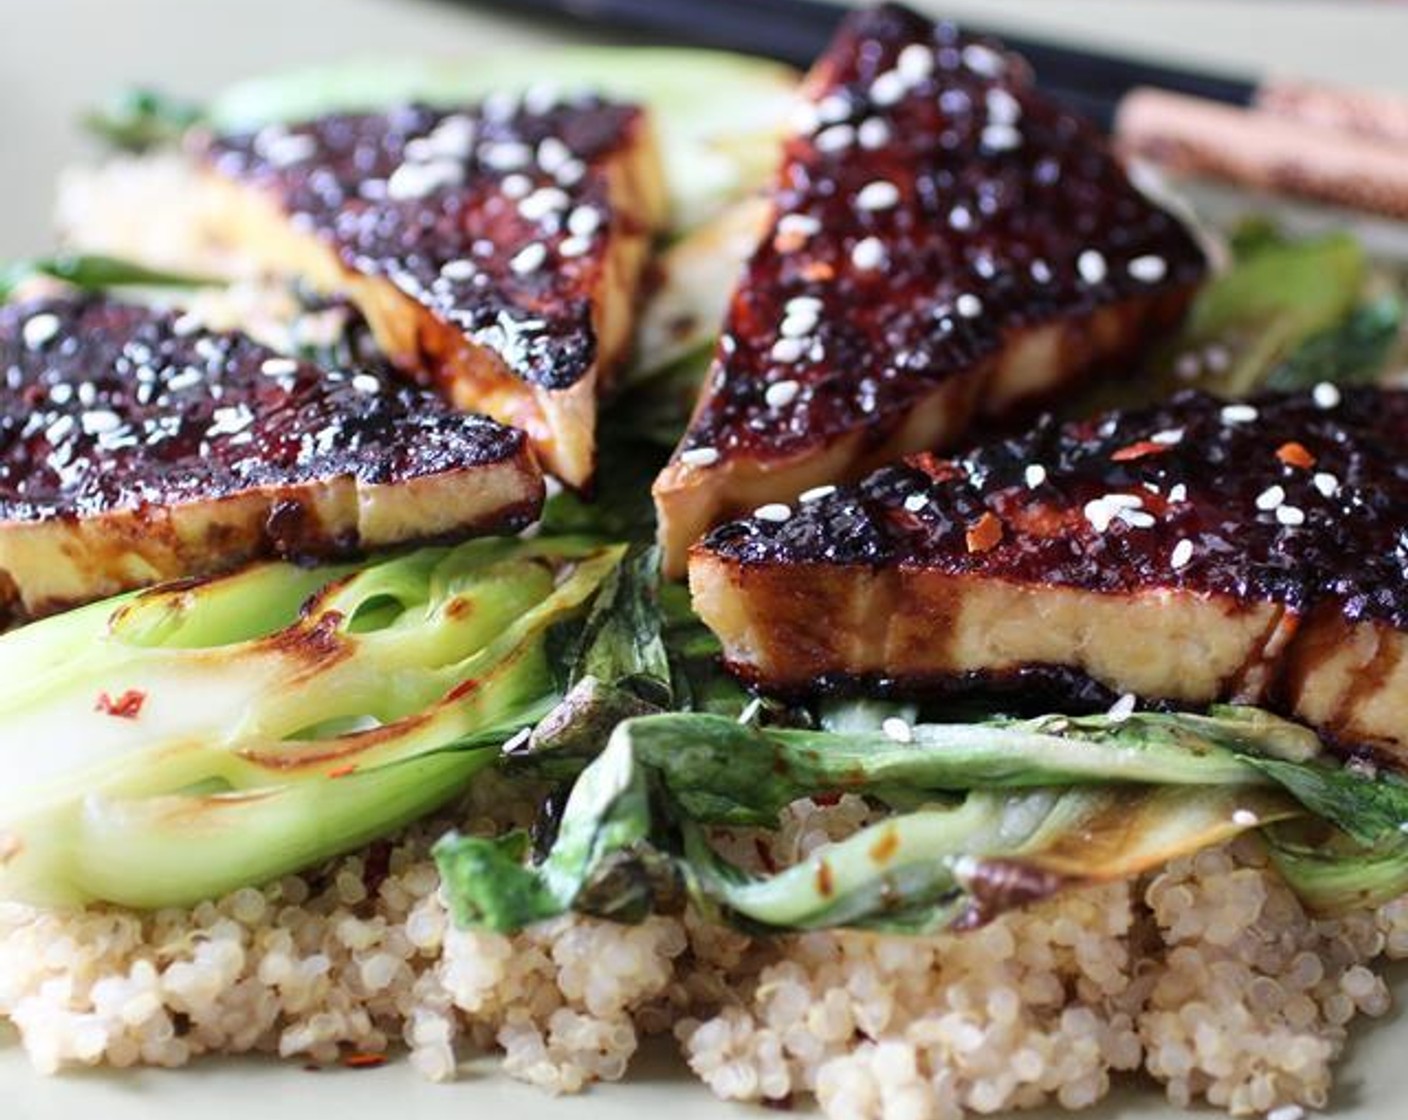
785, 626
53, 564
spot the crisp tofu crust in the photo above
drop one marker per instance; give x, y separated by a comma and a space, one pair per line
135, 449
1193, 552
945, 243
496, 251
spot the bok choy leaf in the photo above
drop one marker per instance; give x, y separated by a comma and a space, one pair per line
1046, 802
201, 736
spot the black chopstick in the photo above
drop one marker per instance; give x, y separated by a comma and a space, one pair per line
796, 31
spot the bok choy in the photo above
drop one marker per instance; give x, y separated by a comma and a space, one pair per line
201, 736
990, 815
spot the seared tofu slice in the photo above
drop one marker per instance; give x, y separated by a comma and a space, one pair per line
944, 242
134, 449
1195, 552
496, 251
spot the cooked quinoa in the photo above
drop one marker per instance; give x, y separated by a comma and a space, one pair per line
1207, 978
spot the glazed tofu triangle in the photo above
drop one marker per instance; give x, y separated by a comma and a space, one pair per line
495, 249
945, 243
135, 447
1193, 552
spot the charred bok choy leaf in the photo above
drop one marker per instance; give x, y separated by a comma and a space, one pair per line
176, 743
1007, 811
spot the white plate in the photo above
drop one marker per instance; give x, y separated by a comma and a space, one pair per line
59, 56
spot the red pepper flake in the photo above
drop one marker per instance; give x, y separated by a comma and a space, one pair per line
1295, 455
364, 1061
985, 534
817, 272
343, 771
828, 798
1138, 451
126, 706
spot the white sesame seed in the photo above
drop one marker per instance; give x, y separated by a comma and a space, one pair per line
553, 154
1041, 271
1287, 1112
1001, 138
700, 456
816, 493
1099, 513
1091, 266
574, 246
915, 502
1137, 518
776, 512
1002, 107
1148, 269
584, 221
516, 741
1122, 708
915, 63
1177, 493
960, 217
1181, 554
798, 225
516, 185
1238, 413
189, 379
873, 133
1326, 483
286, 150
1270, 498
1325, 395
968, 305
1034, 475
1245, 817
804, 118
278, 367
798, 324
1167, 437
458, 270
59, 429
1124, 501
868, 253
1290, 516
879, 195
39, 329
803, 305
101, 420
542, 202
506, 155
836, 138
365, 383
530, 258
788, 349
897, 729
887, 88
417, 180
833, 107
781, 393
541, 97
186, 325
983, 60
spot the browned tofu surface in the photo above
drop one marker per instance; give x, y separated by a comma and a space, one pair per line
134, 449
945, 242
495, 250
1193, 552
